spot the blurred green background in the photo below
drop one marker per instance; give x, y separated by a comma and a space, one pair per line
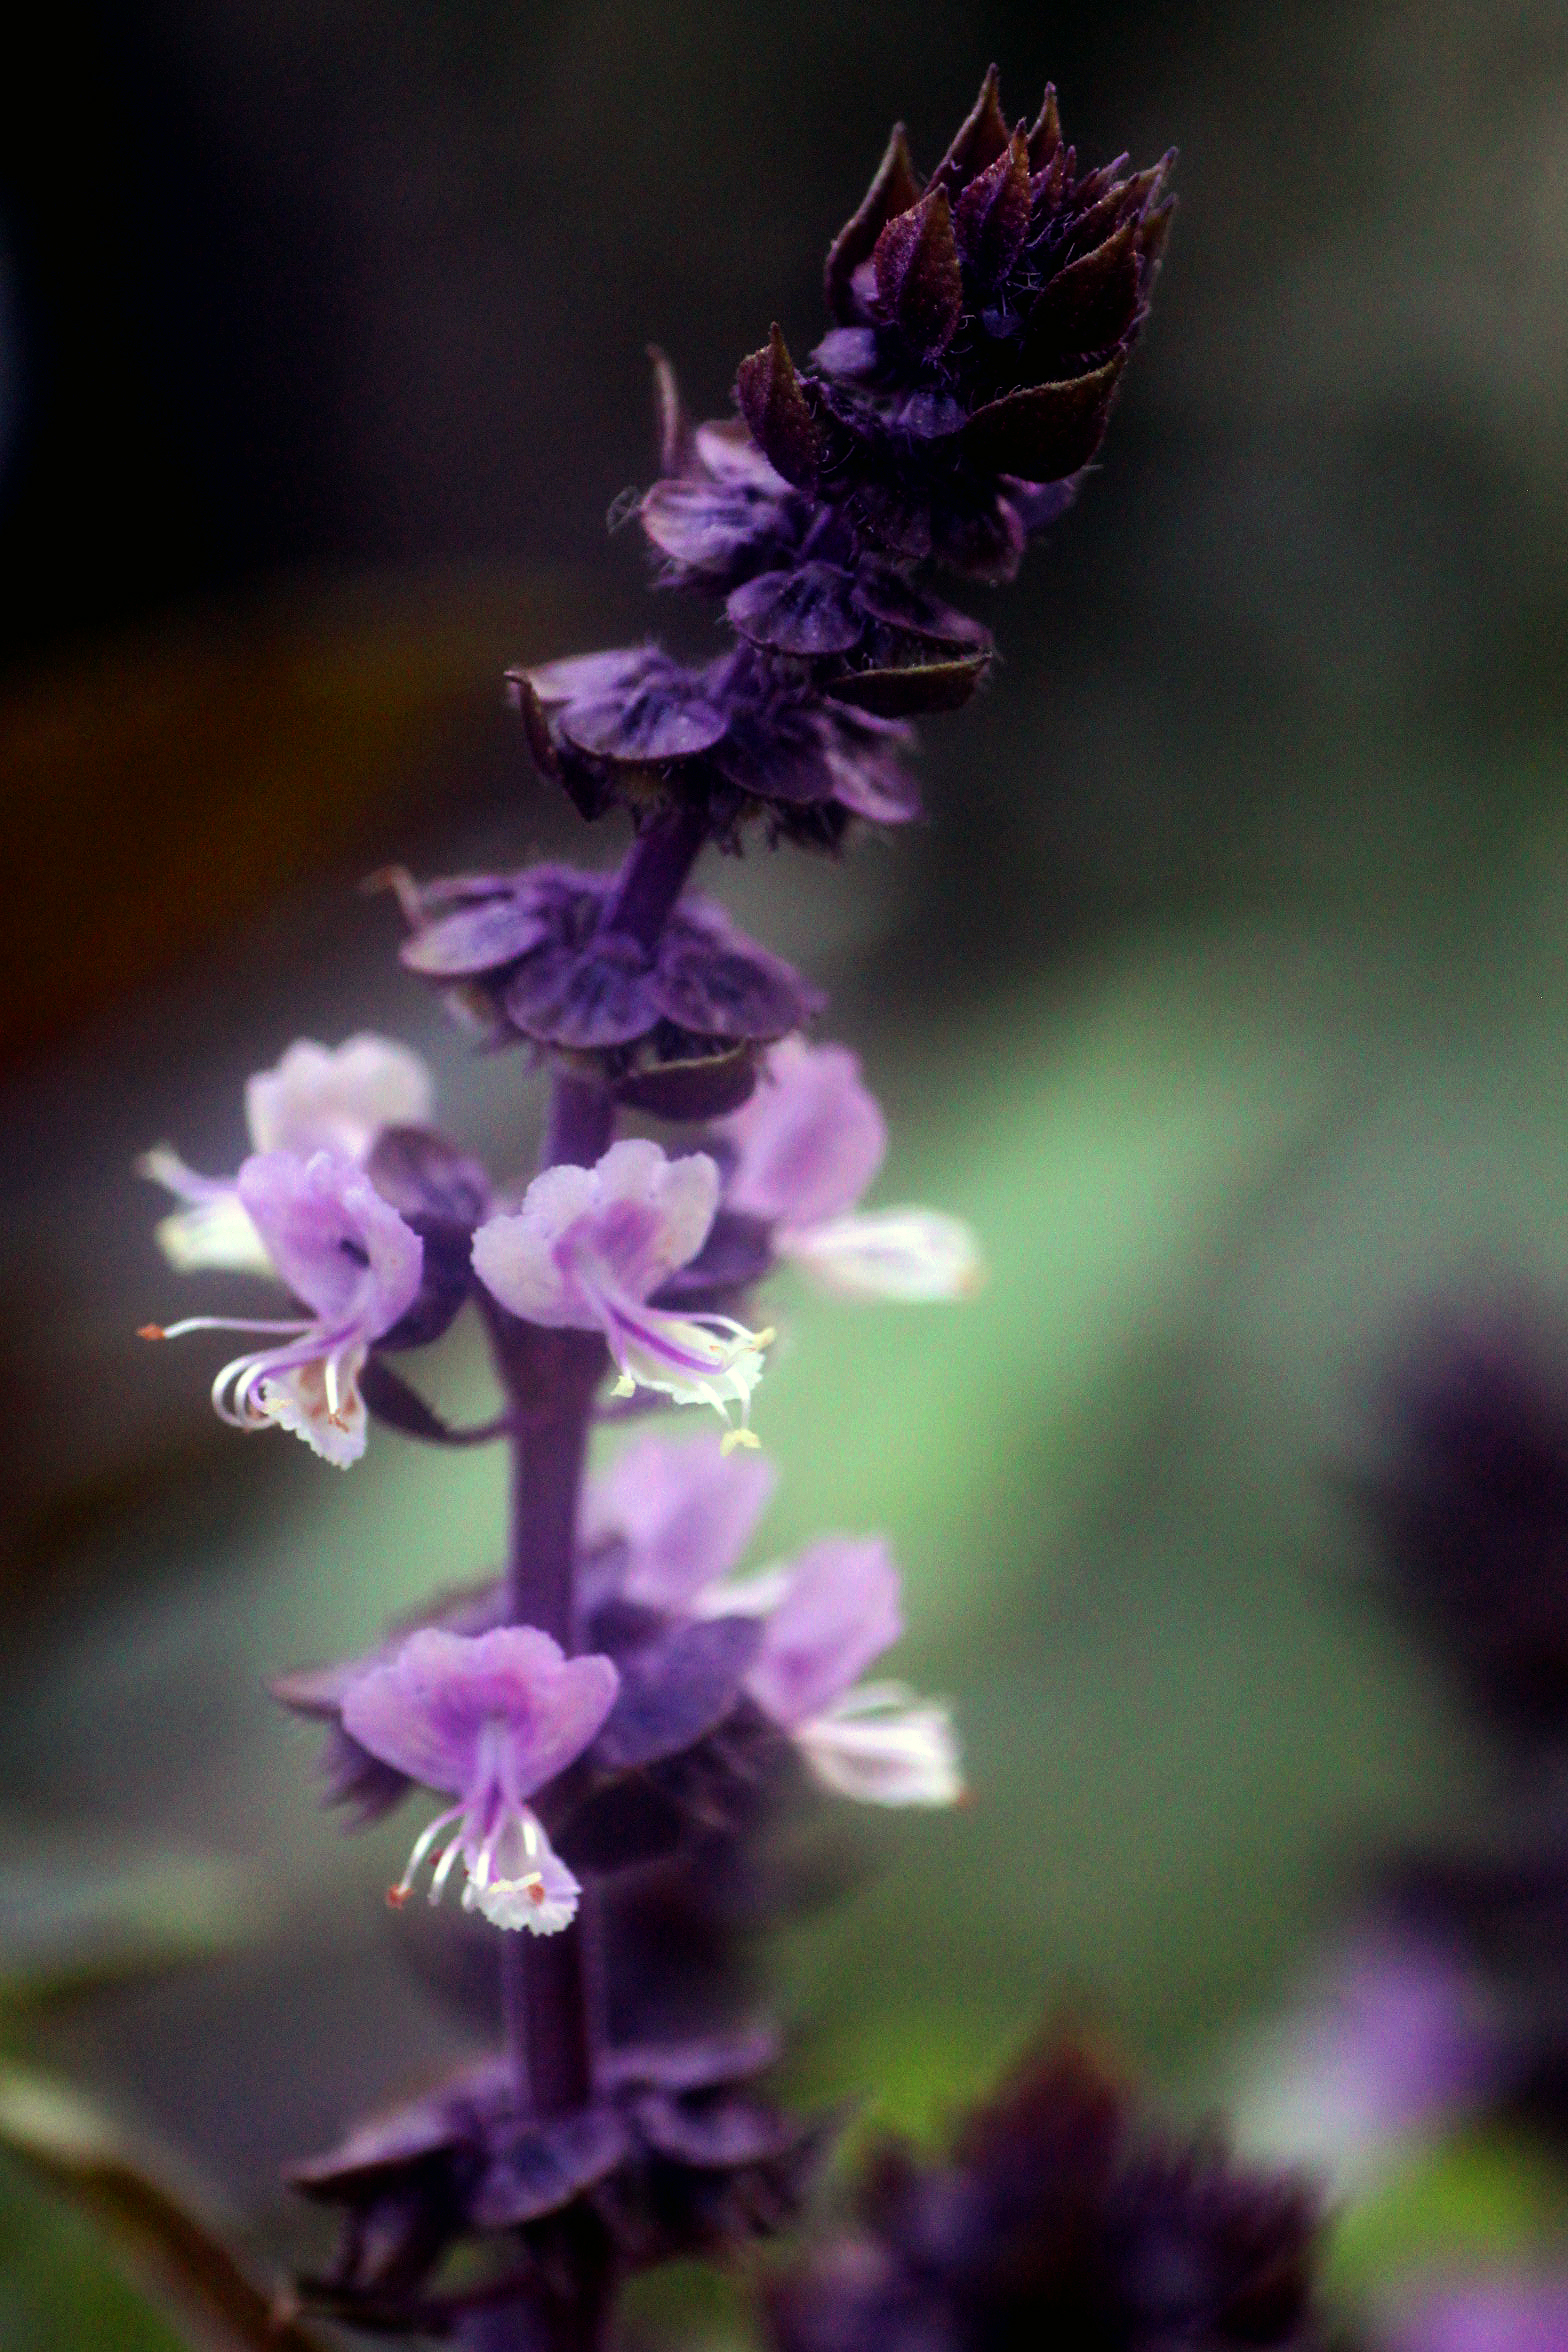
1224, 990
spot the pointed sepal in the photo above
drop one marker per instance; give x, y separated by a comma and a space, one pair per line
992, 220
1047, 431
981, 137
892, 191
1045, 132
919, 281
776, 409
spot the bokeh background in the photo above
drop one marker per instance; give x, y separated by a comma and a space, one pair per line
1224, 991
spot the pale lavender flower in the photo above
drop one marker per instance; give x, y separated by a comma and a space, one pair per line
488, 1719
353, 1262
1510, 2314
806, 1147
590, 1246
1395, 2044
318, 1098
827, 1615
684, 1512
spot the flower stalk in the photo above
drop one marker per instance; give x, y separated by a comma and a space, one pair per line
606, 1734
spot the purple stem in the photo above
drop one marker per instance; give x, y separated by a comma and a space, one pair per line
655, 874
581, 1121
550, 1378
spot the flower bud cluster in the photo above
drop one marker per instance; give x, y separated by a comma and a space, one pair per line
1064, 2217
982, 322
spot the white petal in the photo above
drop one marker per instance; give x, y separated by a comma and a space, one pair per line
322, 1098
688, 1360
515, 1254
212, 1227
748, 1596
523, 1883
872, 1747
213, 1233
910, 1254
299, 1401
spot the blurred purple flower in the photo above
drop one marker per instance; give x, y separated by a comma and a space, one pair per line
828, 1614
1513, 2314
1062, 2219
1398, 2041
332, 1239
805, 1147
684, 1514
318, 1098
488, 1719
1470, 1515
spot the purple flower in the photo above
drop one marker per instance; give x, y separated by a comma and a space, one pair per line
721, 513
805, 1147
1469, 1513
796, 581
683, 1513
487, 1719
590, 1246
751, 735
537, 956
354, 1263
1516, 2313
319, 1098
1399, 2042
828, 1614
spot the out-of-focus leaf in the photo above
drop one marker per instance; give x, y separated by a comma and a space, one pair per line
67, 1924
1482, 2198
171, 2248
59, 2285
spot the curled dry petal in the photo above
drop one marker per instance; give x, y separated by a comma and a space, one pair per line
808, 611
913, 687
